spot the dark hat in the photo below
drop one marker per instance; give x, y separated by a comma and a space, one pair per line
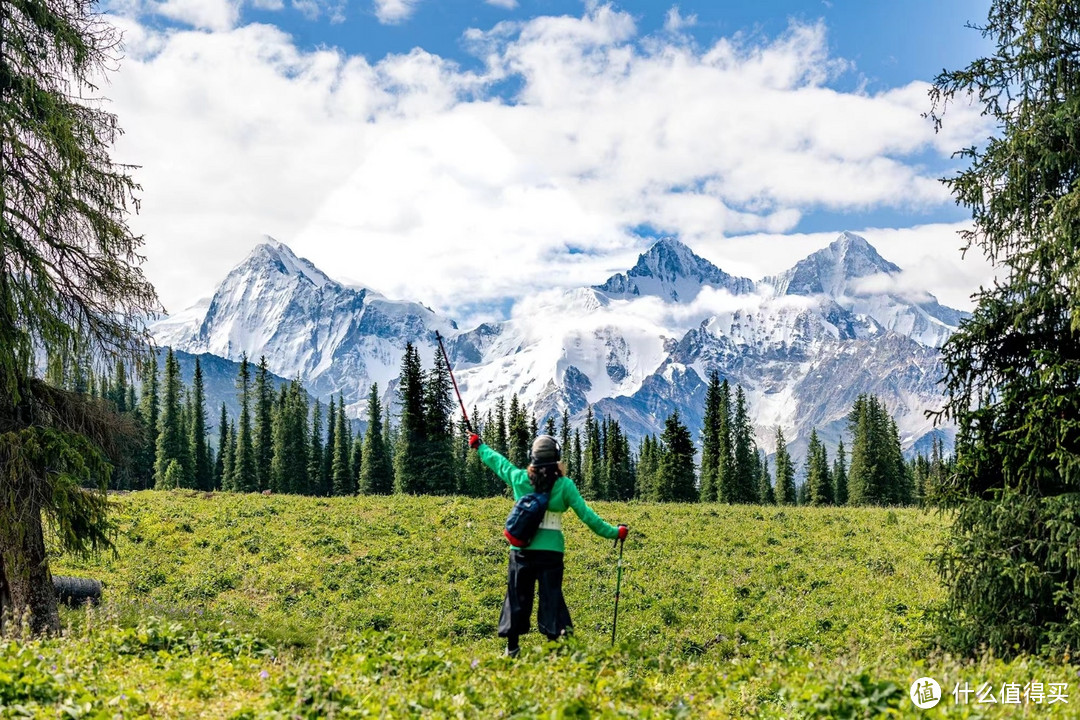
545, 450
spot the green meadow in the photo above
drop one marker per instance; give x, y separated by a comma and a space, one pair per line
250, 606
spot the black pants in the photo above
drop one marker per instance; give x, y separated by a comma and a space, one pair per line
527, 567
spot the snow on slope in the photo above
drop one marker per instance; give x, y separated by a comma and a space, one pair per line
638, 346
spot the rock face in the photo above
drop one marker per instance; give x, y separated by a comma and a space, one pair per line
803, 344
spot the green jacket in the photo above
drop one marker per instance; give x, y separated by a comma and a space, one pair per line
564, 495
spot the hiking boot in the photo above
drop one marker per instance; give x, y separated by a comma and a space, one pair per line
513, 653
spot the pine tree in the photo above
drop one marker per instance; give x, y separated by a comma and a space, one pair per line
840, 481
326, 476
476, 480
439, 430
264, 427
229, 481
765, 488
170, 439
409, 458
223, 441
592, 459
819, 484
785, 472
377, 471
710, 441
565, 438
725, 450
745, 485
576, 460
499, 442
315, 454
298, 454
200, 452
549, 426
342, 479
676, 475
244, 479
519, 438
149, 410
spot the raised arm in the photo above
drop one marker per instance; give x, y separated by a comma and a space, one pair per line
588, 515
515, 477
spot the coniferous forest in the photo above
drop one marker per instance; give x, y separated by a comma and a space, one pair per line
282, 442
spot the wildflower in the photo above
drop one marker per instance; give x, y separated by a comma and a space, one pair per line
264, 674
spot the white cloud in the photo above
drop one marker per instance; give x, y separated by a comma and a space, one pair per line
505, 4
202, 14
391, 12
405, 173
675, 22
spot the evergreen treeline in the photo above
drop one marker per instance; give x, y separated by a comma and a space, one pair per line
281, 443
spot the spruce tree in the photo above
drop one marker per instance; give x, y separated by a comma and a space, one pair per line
819, 484
1012, 370
264, 426
710, 441
785, 472
840, 481
377, 470
326, 477
409, 457
343, 478
244, 479
519, 438
439, 426
675, 475
301, 479
229, 481
745, 484
725, 449
549, 426
149, 408
592, 459
576, 461
765, 489
170, 438
565, 437
200, 452
499, 442
223, 441
315, 485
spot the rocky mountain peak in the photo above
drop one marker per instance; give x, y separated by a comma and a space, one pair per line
671, 270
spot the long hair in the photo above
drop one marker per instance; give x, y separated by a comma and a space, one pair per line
543, 477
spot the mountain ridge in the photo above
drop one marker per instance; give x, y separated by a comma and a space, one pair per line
598, 346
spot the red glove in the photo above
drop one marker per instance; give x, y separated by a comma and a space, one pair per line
474, 441
623, 532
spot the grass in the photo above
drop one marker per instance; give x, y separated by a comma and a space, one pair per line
252, 606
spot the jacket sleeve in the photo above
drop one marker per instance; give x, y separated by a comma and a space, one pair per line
587, 514
515, 477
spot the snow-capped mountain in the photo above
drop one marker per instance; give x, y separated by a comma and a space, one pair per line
851, 272
337, 339
803, 344
671, 271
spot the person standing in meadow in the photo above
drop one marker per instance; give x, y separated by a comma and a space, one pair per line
541, 560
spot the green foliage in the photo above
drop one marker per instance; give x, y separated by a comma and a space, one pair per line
1011, 370
675, 470
388, 605
710, 440
785, 472
170, 438
200, 451
377, 470
409, 456
244, 474
819, 483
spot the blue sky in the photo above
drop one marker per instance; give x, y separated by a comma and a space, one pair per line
547, 134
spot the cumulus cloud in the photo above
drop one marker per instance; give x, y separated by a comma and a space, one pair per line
391, 12
409, 173
674, 21
203, 14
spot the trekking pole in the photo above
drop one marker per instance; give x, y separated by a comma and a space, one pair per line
618, 587
446, 357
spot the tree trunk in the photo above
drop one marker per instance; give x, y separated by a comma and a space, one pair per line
25, 567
